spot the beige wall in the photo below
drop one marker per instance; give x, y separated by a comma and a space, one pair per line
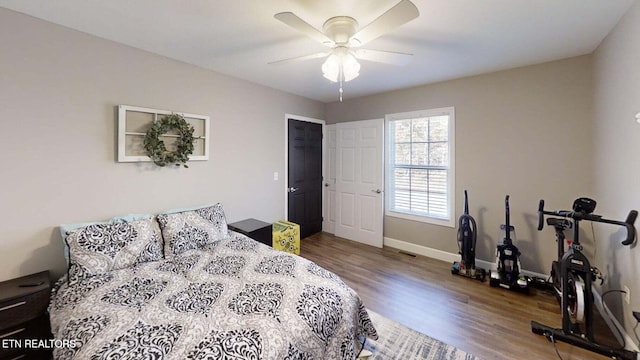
524, 132
58, 90
616, 154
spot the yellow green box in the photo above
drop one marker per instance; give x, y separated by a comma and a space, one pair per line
286, 236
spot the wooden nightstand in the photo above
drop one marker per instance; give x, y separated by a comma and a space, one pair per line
24, 318
255, 229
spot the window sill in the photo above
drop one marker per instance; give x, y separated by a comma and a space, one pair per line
423, 219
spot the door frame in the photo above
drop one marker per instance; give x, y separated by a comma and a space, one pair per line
329, 182
286, 154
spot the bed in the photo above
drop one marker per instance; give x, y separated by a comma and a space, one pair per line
182, 286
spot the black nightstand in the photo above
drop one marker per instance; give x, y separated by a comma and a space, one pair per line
23, 317
255, 229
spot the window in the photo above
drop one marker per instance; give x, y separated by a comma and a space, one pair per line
135, 121
420, 165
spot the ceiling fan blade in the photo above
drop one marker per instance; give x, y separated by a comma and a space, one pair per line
295, 22
386, 57
401, 13
300, 58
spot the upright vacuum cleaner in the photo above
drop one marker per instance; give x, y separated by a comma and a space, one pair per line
508, 260
467, 236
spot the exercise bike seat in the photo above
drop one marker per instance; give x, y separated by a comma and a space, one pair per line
559, 223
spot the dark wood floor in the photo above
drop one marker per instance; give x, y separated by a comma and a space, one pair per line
422, 294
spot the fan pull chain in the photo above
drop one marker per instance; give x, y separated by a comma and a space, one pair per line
341, 79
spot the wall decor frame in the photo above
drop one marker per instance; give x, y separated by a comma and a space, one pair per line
135, 121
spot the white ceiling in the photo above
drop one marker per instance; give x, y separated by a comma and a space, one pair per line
450, 39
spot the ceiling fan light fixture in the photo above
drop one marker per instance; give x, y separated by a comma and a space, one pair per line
341, 66
331, 68
350, 67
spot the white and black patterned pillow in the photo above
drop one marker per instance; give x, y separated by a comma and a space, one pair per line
101, 248
193, 229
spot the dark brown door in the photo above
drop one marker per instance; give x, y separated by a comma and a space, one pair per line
305, 176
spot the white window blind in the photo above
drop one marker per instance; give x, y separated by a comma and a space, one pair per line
420, 165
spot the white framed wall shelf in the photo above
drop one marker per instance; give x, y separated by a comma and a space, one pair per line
135, 121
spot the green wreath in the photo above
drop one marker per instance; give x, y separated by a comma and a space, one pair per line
155, 147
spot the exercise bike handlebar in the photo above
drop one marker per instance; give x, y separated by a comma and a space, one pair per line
631, 230
628, 223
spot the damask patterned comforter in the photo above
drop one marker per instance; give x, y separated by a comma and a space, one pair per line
237, 299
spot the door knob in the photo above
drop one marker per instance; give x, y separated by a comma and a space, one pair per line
292, 189
326, 184
377, 191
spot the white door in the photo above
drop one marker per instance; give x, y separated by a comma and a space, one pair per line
329, 185
359, 192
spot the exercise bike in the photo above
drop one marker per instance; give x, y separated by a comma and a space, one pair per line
574, 274
560, 225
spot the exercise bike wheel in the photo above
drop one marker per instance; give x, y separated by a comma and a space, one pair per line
575, 307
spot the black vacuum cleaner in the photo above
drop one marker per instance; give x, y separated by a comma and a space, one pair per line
467, 236
508, 260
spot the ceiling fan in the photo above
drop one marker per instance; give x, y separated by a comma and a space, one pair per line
343, 37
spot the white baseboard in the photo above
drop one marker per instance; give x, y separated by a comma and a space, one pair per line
446, 256
450, 257
420, 250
